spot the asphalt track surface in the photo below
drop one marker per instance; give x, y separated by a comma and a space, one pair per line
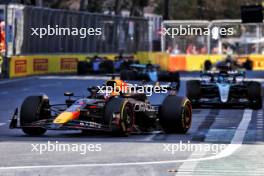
238, 131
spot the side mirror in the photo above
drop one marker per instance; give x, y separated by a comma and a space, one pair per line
68, 94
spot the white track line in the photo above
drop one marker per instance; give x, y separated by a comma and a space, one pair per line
224, 171
229, 150
2, 124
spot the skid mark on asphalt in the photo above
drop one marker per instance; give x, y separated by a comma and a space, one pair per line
205, 126
188, 168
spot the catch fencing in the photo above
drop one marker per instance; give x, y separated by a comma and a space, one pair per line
222, 37
118, 33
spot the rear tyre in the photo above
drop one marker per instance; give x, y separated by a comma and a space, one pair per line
82, 68
175, 114
193, 89
255, 95
124, 125
32, 110
248, 65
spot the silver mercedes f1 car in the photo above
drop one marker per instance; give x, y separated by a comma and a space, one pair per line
225, 89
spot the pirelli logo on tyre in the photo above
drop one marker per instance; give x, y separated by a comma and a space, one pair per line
20, 66
40, 65
68, 64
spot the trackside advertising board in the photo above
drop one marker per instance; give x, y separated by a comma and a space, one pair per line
59, 64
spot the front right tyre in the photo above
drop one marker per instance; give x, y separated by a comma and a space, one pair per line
254, 94
175, 114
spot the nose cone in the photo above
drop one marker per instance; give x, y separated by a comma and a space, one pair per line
66, 117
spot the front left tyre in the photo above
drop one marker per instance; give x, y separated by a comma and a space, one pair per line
175, 114
33, 109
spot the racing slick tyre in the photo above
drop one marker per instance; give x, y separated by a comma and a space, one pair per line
193, 89
255, 95
32, 110
208, 65
175, 114
82, 68
122, 124
248, 65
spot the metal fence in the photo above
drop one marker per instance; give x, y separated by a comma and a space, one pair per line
246, 39
178, 41
243, 38
117, 33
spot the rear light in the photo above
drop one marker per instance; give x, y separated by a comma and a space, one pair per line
93, 107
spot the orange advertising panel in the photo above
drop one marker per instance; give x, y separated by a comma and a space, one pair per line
177, 63
258, 61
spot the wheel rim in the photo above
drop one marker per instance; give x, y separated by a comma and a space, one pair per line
128, 118
187, 113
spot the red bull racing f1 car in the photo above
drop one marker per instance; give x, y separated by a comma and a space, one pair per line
119, 113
